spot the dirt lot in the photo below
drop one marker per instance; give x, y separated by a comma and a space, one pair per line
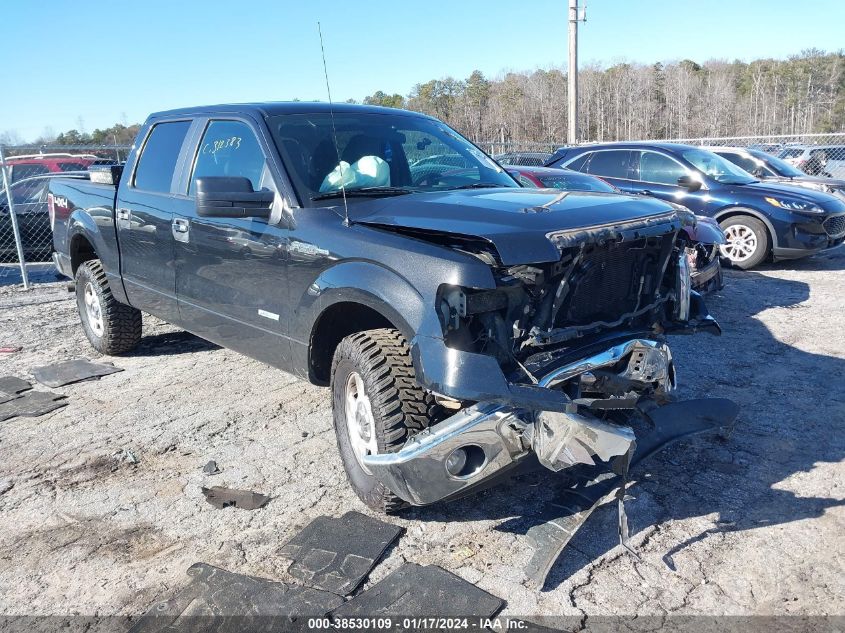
749, 525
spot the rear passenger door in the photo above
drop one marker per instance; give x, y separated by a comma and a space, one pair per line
613, 165
144, 216
231, 275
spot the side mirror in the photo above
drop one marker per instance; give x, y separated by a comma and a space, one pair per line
232, 197
688, 182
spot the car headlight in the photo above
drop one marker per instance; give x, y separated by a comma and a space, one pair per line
795, 205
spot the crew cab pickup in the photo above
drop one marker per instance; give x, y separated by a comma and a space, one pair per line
463, 323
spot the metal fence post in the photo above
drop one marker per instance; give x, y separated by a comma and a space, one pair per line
7, 183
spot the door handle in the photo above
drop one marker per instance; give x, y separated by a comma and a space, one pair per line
180, 228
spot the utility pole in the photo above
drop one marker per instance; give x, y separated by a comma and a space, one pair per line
572, 79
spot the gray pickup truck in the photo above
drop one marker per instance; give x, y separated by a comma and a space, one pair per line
463, 323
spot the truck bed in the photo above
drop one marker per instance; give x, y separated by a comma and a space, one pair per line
76, 204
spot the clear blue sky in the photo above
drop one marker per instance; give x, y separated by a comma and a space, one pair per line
102, 61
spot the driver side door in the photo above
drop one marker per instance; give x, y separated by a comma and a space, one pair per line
657, 175
231, 273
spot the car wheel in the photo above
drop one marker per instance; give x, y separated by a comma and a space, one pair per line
111, 327
747, 241
377, 405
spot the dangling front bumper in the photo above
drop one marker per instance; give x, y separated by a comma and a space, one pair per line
477, 443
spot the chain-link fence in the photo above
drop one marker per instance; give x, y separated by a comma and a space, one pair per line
814, 154
26, 236
26, 240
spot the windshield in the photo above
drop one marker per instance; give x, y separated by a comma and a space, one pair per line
717, 168
375, 152
780, 167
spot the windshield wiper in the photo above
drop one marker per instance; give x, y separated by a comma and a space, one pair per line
479, 185
363, 192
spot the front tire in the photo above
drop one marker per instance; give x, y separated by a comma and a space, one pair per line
377, 405
748, 241
111, 327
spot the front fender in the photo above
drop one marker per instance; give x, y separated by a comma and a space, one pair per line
374, 286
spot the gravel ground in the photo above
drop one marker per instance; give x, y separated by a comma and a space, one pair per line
748, 525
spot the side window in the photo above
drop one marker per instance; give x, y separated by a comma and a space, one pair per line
158, 159
229, 148
579, 163
29, 192
743, 162
611, 164
19, 172
661, 169
71, 167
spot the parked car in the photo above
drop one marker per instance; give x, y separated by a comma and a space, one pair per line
563, 179
817, 160
760, 220
705, 237
527, 159
451, 303
769, 148
38, 164
772, 169
30, 201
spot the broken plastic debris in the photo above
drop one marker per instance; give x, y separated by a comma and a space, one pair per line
211, 468
221, 497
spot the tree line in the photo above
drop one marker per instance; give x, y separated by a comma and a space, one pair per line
802, 94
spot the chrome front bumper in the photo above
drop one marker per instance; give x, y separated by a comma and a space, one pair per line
479, 441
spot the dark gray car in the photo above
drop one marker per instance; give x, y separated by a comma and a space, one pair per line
771, 168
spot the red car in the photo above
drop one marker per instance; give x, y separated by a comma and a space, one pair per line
38, 164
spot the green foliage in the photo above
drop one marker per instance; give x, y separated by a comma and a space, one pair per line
379, 98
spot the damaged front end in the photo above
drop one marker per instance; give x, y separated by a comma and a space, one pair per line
581, 343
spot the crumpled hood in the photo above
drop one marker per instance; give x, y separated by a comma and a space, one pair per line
514, 220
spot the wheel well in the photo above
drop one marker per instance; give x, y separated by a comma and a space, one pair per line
81, 251
336, 323
736, 212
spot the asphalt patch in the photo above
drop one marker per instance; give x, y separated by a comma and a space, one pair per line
225, 602
71, 371
336, 554
31, 405
221, 497
421, 591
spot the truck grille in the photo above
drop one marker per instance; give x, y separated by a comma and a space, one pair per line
607, 282
835, 225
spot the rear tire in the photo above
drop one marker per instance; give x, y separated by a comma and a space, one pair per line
748, 241
111, 327
377, 405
